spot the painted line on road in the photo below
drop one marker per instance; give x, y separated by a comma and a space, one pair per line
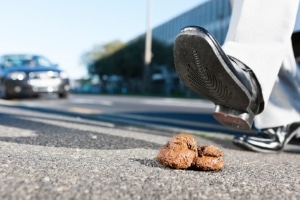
92, 101
179, 103
8, 103
84, 110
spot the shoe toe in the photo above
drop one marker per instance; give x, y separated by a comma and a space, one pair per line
239, 138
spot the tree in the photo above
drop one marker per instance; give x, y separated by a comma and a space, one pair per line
128, 60
99, 52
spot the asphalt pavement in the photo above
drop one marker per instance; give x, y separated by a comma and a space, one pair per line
56, 156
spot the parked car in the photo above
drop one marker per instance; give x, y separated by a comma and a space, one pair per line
31, 75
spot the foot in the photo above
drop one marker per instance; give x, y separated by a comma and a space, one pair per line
204, 68
270, 140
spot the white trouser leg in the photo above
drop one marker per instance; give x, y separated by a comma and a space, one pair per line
259, 34
284, 103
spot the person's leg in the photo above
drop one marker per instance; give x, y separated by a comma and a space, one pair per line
258, 35
280, 120
283, 106
256, 43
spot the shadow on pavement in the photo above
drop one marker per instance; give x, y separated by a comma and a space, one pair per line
57, 136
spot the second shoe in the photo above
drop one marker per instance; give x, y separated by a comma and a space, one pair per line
269, 140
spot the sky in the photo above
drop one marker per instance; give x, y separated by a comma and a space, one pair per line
63, 30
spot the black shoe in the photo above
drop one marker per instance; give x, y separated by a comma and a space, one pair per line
270, 140
204, 68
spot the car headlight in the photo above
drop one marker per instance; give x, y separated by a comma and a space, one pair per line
63, 75
17, 76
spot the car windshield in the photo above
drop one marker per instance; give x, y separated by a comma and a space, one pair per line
24, 60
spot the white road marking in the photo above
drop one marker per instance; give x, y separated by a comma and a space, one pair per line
179, 103
92, 101
84, 110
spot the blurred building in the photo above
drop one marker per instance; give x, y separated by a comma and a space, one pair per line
214, 15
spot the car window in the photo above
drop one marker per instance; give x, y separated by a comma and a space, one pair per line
43, 61
24, 60
15, 60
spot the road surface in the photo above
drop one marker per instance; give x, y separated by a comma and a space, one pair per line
191, 114
56, 155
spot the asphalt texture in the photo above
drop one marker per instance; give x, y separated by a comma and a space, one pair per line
51, 156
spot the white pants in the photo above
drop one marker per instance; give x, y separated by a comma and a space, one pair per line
260, 36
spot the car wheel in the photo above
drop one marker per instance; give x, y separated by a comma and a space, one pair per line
3, 93
63, 95
36, 96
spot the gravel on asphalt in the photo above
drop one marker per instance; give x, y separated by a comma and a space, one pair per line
47, 156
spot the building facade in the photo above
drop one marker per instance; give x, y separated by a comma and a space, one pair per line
213, 15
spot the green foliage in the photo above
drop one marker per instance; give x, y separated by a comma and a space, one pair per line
99, 52
128, 61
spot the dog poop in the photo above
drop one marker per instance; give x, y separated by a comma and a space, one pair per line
179, 153
210, 158
182, 152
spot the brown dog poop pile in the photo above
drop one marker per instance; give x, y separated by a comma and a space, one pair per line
182, 152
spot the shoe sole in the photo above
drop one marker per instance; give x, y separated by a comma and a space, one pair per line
205, 69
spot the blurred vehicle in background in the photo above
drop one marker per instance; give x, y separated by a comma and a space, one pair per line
31, 75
